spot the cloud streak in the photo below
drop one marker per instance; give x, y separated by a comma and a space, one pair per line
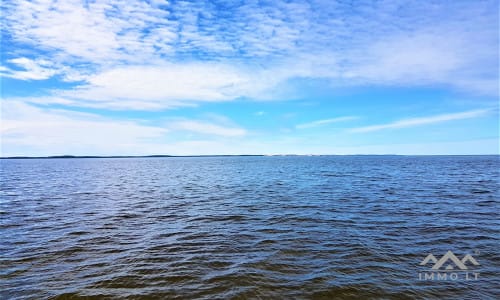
31, 130
54, 131
412, 122
325, 122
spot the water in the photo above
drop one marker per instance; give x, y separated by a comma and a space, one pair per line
247, 227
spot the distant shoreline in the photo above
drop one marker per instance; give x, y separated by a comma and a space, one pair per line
114, 156
226, 155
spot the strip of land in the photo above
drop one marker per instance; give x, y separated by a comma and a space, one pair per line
118, 156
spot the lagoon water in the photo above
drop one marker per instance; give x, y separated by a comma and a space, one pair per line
346, 227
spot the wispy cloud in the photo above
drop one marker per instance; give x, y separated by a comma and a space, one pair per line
156, 55
138, 48
28, 69
325, 122
167, 85
53, 131
32, 130
411, 122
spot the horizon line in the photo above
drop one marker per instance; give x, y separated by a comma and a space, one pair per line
223, 155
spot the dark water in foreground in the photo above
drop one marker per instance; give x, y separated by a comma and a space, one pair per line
247, 227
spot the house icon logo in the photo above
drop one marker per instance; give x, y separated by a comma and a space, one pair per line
450, 262
449, 267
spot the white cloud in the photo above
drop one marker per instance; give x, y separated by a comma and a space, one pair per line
153, 55
135, 55
51, 131
325, 122
167, 85
30, 130
93, 32
31, 69
440, 56
411, 122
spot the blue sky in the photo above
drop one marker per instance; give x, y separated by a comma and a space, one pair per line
249, 77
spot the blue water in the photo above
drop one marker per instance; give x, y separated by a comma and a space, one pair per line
346, 227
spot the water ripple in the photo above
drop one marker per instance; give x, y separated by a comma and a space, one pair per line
350, 227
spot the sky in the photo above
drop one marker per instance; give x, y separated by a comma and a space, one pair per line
249, 77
